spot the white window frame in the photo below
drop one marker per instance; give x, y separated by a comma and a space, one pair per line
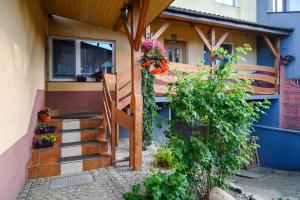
234, 3
77, 57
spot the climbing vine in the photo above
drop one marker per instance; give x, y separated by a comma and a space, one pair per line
153, 62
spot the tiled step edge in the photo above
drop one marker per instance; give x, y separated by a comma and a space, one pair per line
77, 158
82, 143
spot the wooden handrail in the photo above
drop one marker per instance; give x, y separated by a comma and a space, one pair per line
259, 74
109, 111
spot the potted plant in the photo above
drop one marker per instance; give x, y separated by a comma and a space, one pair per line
219, 53
285, 60
44, 142
81, 78
45, 114
44, 128
98, 75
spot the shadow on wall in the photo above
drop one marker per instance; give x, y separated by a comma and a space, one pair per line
279, 148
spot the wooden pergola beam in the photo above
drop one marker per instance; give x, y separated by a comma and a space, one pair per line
118, 23
128, 34
161, 30
270, 45
141, 23
221, 40
203, 37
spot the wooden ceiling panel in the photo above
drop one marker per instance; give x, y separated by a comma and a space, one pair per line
98, 12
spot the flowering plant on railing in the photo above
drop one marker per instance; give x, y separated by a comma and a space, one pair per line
154, 59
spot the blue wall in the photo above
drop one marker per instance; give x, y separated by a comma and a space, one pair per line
271, 118
279, 149
289, 45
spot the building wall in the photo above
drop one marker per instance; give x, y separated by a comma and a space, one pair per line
195, 46
245, 10
22, 31
289, 45
68, 97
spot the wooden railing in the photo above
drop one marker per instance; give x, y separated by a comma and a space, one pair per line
264, 78
123, 89
109, 116
113, 109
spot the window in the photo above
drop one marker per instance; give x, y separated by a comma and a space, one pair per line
284, 5
71, 57
228, 2
206, 54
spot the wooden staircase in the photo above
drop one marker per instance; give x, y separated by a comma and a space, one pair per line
81, 145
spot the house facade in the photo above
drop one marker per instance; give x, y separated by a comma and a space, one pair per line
46, 44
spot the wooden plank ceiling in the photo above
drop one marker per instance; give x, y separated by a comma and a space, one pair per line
98, 12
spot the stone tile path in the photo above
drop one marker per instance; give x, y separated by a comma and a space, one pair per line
110, 183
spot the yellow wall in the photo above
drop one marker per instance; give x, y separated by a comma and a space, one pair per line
195, 46
22, 66
245, 10
59, 26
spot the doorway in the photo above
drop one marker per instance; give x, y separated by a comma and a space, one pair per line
176, 51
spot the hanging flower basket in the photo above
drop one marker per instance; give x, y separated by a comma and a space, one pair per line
154, 59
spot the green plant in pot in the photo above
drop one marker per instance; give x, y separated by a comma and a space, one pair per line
44, 128
44, 142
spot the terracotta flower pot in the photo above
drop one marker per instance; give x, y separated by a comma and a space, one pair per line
45, 118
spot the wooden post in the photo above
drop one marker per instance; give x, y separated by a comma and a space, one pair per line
212, 44
277, 63
136, 106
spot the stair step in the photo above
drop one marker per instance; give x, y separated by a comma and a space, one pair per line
78, 158
83, 115
83, 130
81, 143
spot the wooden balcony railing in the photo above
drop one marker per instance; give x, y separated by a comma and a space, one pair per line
264, 78
109, 116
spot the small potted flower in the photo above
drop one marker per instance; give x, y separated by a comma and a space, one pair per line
44, 142
44, 128
285, 60
44, 115
219, 53
81, 78
98, 75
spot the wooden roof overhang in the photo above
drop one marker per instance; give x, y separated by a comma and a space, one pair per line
174, 14
105, 13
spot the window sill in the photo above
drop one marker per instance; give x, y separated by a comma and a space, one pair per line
271, 12
223, 4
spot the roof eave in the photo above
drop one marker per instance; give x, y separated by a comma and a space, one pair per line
222, 21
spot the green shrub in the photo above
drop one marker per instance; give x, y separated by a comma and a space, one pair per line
161, 186
218, 101
164, 158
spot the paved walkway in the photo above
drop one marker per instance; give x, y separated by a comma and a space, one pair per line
270, 184
111, 183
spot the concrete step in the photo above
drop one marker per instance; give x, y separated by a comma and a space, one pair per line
75, 164
83, 148
71, 124
84, 134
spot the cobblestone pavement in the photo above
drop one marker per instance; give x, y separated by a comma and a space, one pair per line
110, 183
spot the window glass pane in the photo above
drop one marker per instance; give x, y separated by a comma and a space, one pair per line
96, 56
170, 52
279, 5
227, 47
177, 55
293, 5
63, 59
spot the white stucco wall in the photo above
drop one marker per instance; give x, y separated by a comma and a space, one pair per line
246, 9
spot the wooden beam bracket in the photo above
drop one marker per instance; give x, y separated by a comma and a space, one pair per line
203, 37
161, 30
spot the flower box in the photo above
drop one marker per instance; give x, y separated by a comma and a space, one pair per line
45, 130
43, 145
